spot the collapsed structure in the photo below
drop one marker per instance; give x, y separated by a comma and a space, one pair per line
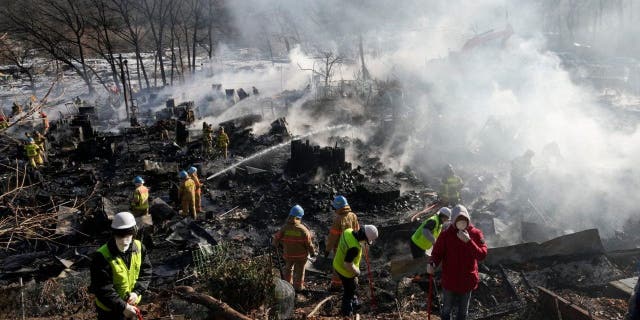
53, 218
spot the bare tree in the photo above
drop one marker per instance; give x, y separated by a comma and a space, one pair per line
132, 31
157, 13
55, 26
19, 54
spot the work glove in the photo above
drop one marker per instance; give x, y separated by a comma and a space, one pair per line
464, 236
133, 298
431, 269
130, 312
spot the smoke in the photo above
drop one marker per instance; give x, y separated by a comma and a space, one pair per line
476, 108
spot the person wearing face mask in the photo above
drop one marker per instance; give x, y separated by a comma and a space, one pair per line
458, 249
120, 271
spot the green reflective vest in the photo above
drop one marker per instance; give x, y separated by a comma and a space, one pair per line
347, 241
31, 149
124, 279
419, 239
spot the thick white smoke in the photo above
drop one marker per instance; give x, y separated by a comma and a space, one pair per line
477, 108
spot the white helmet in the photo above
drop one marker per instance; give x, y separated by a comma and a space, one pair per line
371, 231
123, 220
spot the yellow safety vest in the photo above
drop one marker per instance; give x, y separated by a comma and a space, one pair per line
347, 241
141, 198
124, 279
32, 149
451, 188
419, 239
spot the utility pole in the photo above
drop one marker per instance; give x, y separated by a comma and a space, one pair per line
124, 84
133, 118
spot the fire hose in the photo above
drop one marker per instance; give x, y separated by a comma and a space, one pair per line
139, 314
429, 297
370, 276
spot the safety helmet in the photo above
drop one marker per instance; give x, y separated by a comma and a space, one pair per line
192, 170
123, 220
449, 169
371, 231
183, 174
339, 202
31, 140
444, 211
296, 211
138, 179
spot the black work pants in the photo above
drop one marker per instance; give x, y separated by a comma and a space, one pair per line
348, 297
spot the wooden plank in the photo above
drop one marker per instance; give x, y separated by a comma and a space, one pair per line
561, 309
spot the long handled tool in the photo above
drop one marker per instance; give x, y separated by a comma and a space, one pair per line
434, 206
430, 297
373, 297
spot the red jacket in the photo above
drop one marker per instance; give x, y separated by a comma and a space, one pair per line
459, 259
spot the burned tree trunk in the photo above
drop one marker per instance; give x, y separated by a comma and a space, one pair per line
220, 309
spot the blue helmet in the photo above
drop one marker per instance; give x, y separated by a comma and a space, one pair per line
339, 202
138, 179
296, 211
192, 170
183, 174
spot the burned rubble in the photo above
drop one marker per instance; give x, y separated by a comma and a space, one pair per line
85, 182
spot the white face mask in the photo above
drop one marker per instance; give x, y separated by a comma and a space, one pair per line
462, 224
123, 243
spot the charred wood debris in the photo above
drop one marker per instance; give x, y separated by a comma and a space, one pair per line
53, 218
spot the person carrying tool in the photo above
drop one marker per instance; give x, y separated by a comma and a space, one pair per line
450, 188
120, 272
139, 204
223, 142
458, 249
425, 236
347, 262
297, 245
34, 153
187, 195
193, 174
343, 219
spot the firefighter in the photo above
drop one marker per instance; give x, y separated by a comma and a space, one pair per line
343, 219
297, 245
450, 188
207, 139
139, 205
223, 142
425, 236
193, 174
187, 195
521, 168
41, 141
33, 153
347, 262
120, 271
45, 122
